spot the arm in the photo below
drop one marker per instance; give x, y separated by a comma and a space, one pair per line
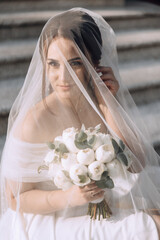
44, 202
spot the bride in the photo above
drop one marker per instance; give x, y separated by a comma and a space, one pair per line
73, 79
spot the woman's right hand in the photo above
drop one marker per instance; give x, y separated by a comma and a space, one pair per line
77, 196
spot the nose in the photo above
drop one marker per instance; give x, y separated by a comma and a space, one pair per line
64, 75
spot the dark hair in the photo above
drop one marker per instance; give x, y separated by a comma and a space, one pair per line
77, 26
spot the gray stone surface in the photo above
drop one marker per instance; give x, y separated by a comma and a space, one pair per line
22, 5
132, 46
29, 24
151, 117
2, 141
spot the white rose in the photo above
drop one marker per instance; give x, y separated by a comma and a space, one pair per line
115, 169
58, 140
102, 139
98, 141
68, 139
85, 156
68, 160
51, 157
95, 170
62, 181
123, 180
78, 173
69, 132
53, 169
106, 139
105, 153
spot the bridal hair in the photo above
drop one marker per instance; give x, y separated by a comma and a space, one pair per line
77, 26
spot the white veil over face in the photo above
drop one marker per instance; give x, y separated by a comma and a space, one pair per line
63, 89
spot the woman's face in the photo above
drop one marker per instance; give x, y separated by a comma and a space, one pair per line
62, 49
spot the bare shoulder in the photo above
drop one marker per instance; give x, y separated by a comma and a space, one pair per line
36, 125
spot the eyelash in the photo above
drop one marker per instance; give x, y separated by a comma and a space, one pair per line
75, 63
53, 64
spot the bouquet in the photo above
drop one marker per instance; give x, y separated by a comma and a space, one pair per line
80, 156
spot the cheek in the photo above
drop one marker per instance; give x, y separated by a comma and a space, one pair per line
81, 75
52, 75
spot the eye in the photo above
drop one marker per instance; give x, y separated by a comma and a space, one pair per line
75, 63
53, 64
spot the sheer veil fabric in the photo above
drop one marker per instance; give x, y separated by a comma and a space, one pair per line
63, 89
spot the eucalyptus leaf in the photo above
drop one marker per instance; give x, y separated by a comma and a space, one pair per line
115, 146
104, 174
83, 127
122, 157
43, 167
109, 183
98, 127
50, 145
82, 145
57, 149
62, 148
106, 182
91, 141
122, 145
81, 136
82, 178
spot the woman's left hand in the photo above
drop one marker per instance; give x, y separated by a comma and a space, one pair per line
108, 78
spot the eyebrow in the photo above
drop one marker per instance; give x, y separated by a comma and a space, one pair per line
72, 59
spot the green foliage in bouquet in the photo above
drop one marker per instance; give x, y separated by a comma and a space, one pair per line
81, 140
43, 167
118, 149
62, 149
105, 181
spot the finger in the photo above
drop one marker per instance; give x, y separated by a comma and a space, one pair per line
89, 188
110, 82
96, 196
96, 191
104, 69
108, 76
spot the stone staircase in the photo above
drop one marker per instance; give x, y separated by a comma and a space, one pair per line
138, 44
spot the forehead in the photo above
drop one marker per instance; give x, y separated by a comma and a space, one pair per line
61, 46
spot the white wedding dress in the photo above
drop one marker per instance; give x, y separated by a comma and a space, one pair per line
139, 226
76, 224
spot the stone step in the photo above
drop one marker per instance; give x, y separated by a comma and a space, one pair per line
41, 5
132, 46
57, 4
8, 91
29, 24
151, 118
143, 82
138, 45
2, 141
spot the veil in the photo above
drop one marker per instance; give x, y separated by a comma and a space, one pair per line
64, 89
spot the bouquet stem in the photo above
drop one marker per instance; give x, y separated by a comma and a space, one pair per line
97, 209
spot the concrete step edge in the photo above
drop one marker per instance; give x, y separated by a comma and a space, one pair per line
141, 75
27, 18
18, 50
